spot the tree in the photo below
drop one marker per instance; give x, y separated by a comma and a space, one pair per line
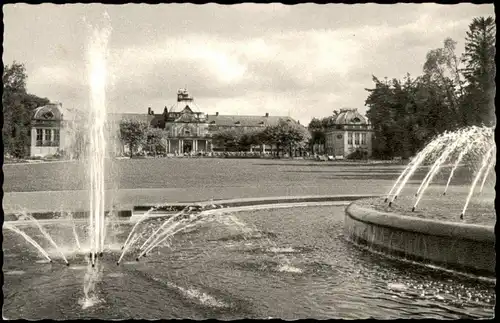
133, 133
155, 139
318, 128
442, 68
479, 72
287, 134
14, 77
228, 138
18, 107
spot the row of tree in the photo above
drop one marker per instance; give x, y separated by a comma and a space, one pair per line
452, 92
286, 136
135, 135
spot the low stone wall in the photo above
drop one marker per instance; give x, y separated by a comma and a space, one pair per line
458, 246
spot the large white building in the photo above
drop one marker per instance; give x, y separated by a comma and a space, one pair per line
188, 128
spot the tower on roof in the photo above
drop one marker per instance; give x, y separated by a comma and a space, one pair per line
183, 95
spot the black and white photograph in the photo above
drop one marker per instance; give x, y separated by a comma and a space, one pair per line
248, 161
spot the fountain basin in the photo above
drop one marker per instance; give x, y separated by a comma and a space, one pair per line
468, 248
294, 263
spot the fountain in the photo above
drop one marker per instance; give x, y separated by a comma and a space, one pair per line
410, 230
218, 281
474, 145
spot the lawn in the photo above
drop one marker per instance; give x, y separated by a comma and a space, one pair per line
163, 179
185, 173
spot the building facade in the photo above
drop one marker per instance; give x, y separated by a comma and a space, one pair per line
348, 132
189, 130
46, 135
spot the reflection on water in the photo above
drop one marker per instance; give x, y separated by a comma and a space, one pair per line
304, 269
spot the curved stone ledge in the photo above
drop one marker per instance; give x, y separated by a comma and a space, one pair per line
263, 200
458, 246
177, 206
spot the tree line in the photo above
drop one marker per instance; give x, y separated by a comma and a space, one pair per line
286, 136
452, 92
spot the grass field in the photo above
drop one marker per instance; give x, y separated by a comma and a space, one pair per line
184, 173
164, 179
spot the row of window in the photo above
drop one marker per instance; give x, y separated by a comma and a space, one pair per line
47, 137
357, 136
353, 126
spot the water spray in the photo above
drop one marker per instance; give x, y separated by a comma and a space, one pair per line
474, 182
434, 171
30, 240
162, 226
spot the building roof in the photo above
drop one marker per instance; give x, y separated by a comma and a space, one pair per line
350, 116
117, 117
245, 120
181, 105
50, 111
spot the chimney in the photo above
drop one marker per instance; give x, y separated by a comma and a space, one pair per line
149, 110
267, 114
216, 114
152, 113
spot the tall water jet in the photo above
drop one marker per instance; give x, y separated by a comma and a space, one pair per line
97, 139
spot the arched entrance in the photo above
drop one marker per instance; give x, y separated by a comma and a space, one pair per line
187, 146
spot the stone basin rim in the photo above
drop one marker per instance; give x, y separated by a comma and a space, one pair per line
476, 232
128, 211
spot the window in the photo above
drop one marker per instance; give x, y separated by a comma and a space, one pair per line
39, 137
356, 138
48, 135
363, 138
56, 136
349, 138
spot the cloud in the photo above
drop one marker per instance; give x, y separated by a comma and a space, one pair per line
304, 59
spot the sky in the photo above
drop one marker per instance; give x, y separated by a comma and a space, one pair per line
302, 61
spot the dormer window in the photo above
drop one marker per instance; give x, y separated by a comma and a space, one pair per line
356, 119
262, 122
237, 122
212, 122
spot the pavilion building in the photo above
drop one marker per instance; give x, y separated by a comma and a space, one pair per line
46, 135
348, 131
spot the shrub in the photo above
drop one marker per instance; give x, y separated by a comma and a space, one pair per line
358, 154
